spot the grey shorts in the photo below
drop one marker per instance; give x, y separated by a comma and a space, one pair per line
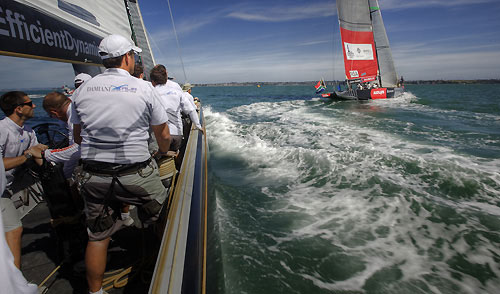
142, 189
175, 144
10, 215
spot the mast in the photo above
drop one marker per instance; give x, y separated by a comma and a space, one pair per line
140, 36
388, 76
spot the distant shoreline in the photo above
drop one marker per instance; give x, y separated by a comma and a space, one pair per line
306, 83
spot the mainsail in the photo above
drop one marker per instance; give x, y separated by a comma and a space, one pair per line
367, 55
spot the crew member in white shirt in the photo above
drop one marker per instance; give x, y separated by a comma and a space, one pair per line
111, 115
173, 103
81, 78
188, 98
18, 145
171, 84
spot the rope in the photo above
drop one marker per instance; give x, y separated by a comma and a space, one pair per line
177, 39
49, 276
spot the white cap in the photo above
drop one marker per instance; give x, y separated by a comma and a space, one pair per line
116, 45
82, 78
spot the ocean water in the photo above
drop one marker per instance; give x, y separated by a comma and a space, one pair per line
389, 196
386, 196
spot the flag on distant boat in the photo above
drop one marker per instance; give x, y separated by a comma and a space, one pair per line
320, 86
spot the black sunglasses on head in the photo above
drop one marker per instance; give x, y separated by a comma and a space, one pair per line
30, 104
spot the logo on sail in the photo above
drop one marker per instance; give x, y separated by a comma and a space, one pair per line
354, 73
358, 51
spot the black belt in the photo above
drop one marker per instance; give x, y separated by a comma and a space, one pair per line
113, 169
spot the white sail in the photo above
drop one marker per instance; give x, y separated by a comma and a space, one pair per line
388, 76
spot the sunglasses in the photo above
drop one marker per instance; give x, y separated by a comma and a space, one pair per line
29, 103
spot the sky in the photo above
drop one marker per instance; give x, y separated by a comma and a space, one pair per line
255, 41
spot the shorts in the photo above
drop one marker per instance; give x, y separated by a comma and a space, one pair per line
142, 189
175, 143
10, 215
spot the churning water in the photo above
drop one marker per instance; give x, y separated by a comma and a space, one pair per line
387, 196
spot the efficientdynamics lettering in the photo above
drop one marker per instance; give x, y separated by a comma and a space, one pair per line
14, 25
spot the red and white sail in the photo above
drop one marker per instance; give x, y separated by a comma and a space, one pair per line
364, 41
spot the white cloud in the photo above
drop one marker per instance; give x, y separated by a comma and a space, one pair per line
467, 65
314, 43
280, 13
398, 4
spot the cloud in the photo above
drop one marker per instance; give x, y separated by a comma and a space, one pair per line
466, 65
398, 4
283, 13
314, 43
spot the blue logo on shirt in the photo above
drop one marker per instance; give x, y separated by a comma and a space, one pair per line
118, 88
111, 88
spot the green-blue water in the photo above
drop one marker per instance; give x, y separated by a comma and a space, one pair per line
387, 196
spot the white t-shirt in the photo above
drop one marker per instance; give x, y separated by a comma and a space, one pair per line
14, 140
188, 100
172, 101
173, 85
115, 111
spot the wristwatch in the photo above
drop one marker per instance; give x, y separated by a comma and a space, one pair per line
28, 156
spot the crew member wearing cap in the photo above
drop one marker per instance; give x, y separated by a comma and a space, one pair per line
171, 84
172, 101
188, 99
111, 117
81, 78
18, 145
186, 88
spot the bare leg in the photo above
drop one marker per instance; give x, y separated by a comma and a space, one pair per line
13, 239
95, 261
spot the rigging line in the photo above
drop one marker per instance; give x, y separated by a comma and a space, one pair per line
155, 45
177, 39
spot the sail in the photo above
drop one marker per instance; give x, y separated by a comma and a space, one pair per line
358, 43
388, 76
140, 36
62, 30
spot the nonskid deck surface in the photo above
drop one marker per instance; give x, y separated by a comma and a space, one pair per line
127, 248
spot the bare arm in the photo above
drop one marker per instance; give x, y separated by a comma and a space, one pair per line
162, 135
76, 134
35, 151
12, 162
